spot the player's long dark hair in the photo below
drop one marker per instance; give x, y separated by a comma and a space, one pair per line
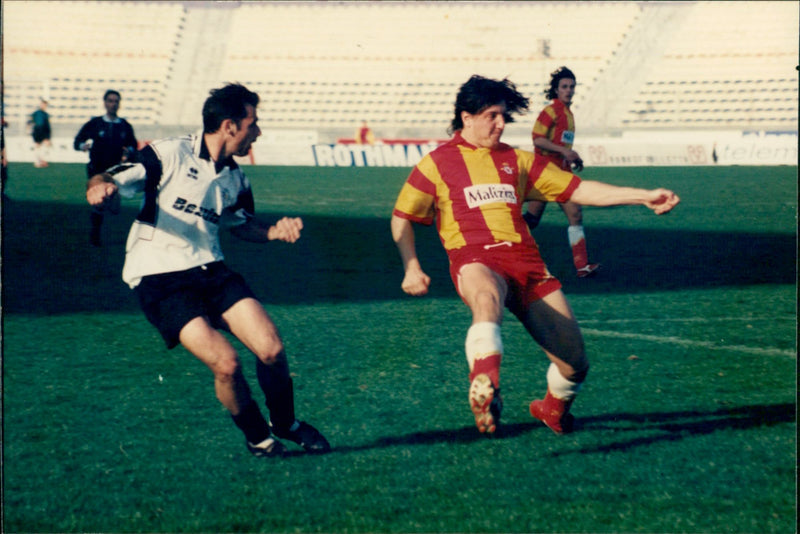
555, 77
227, 102
479, 93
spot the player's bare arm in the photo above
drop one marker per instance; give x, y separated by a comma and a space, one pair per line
415, 281
102, 191
286, 229
592, 193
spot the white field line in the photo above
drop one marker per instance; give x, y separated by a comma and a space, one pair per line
690, 343
685, 320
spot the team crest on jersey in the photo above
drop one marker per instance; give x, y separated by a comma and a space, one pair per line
478, 195
508, 169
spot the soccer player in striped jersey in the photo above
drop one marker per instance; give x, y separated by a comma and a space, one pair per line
474, 187
193, 188
553, 136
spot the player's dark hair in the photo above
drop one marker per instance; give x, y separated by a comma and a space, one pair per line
479, 93
227, 102
555, 77
112, 92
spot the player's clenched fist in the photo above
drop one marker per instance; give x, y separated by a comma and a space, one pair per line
97, 194
286, 229
663, 201
416, 282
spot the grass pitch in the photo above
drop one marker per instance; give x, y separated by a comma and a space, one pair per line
686, 424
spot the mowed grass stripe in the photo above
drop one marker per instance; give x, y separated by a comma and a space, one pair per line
758, 351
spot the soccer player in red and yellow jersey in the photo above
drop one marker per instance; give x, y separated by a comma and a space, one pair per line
553, 136
473, 187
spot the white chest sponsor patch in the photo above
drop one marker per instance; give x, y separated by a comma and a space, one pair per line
478, 195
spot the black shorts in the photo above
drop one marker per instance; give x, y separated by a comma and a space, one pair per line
171, 300
40, 133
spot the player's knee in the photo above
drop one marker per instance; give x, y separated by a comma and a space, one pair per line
487, 301
271, 352
226, 367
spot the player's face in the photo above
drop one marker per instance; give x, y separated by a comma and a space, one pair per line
484, 129
246, 133
566, 90
112, 105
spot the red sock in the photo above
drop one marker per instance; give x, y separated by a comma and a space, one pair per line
490, 366
580, 256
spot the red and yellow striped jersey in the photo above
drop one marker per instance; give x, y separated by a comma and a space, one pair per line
475, 195
557, 124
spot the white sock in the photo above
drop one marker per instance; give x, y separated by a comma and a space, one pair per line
560, 387
575, 234
483, 339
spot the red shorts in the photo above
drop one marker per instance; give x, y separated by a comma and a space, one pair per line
520, 266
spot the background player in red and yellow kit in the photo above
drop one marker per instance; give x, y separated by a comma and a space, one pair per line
473, 188
553, 136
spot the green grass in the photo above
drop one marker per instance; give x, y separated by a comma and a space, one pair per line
686, 424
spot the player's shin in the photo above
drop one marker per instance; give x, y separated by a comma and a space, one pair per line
484, 350
577, 241
276, 383
252, 423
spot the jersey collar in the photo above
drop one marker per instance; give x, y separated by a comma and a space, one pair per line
203, 153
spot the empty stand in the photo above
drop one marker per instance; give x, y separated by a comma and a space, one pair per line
729, 65
72, 52
326, 66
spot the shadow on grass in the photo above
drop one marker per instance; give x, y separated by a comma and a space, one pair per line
49, 267
674, 426
467, 434
663, 426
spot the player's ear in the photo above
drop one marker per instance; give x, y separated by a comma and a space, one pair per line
229, 126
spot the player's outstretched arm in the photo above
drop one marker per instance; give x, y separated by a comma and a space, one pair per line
415, 282
286, 229
102, 191
592, 193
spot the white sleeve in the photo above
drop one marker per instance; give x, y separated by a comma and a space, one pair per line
129, 177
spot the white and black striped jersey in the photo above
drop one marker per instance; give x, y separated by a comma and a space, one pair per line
186, 201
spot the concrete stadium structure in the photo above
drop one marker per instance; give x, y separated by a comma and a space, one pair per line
323, 67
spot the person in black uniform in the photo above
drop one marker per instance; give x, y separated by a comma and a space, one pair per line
110, 140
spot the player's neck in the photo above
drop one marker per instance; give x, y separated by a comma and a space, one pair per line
216, 147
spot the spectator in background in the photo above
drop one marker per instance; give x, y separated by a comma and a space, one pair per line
364, 135
553, 136
41, 132
110, 140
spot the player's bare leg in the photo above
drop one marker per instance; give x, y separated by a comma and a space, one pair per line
251, 324
552, 324
484, 292
212, 348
